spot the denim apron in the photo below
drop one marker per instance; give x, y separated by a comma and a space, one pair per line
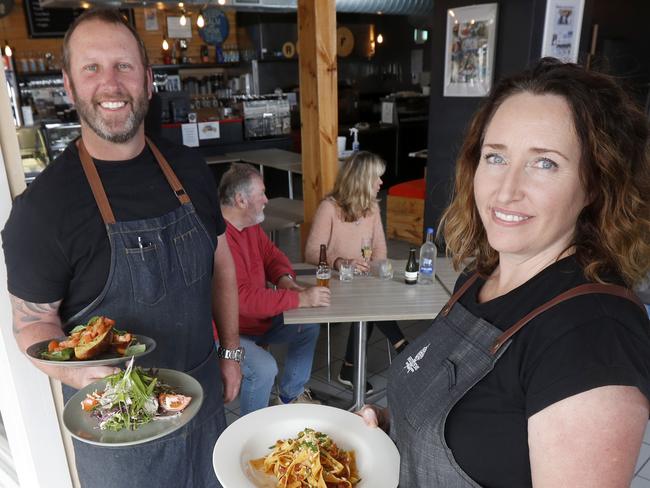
436, 370
159, 285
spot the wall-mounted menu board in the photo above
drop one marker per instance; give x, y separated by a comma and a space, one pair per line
53, 22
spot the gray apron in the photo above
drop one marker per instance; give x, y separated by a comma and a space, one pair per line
436, 370
159, 285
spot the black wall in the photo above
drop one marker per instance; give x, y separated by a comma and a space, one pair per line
622, 49
518, 42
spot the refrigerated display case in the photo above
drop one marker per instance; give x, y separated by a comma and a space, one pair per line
58, 136
33, 151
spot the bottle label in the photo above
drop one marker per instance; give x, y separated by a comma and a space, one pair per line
410, 275
426, 266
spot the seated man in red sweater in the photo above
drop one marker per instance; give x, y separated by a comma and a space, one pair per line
258, 261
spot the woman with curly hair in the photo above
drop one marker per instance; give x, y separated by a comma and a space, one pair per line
537, 371
344, 219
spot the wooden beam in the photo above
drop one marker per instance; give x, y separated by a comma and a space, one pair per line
318, 102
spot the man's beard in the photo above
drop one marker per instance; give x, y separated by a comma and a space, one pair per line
89, 113
259, 218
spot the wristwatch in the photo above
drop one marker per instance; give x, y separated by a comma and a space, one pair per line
232, 354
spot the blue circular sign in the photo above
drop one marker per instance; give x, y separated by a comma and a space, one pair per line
216, 26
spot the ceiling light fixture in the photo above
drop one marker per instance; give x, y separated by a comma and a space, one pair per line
183, 19
200, 21
380, 39
165, 45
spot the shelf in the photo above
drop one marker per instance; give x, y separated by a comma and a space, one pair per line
38, 74
176, 67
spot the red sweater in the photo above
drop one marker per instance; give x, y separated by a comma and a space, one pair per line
258, 261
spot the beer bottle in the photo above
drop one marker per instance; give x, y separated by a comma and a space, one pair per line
322, 259
323, 272
411, 272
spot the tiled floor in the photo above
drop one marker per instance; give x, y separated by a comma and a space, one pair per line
288, 241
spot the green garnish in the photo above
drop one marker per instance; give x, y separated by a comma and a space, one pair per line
134, 349
62, 355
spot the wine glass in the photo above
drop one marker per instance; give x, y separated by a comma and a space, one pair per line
366, 252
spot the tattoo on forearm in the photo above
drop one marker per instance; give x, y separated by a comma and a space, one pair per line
26, 313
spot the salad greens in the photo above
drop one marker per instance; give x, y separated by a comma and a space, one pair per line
129, 399
62, 355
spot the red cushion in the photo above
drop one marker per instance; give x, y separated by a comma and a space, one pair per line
409, 189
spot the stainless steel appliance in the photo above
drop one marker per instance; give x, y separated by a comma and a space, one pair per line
266, 116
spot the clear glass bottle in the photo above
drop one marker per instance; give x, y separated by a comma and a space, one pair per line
428, 254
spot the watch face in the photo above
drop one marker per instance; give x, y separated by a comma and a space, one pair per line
216, 28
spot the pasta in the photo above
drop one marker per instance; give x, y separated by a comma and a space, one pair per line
310, 460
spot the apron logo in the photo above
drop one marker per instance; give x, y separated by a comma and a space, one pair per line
412, 362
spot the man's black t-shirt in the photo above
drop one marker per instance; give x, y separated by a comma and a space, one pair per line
578, 345
55, 241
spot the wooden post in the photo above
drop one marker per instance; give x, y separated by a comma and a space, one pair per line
318, 102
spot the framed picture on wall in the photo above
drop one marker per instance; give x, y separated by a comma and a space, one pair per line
176, 30
562, 26
469, 50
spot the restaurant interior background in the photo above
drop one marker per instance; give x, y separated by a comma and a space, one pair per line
250, 84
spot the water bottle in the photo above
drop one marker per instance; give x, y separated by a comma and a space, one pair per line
428, 253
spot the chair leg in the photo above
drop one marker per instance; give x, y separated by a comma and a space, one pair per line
389, 347
329, 355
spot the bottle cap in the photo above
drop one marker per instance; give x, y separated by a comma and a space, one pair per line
430, 229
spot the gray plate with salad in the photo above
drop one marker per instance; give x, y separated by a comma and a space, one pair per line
132, 407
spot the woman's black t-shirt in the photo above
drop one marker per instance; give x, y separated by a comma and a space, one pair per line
581, 344
55, 241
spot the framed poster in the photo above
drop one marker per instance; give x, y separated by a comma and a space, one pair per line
562, 26
469, 50
176, 30
150, 19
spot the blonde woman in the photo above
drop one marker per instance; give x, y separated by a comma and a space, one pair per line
345, 220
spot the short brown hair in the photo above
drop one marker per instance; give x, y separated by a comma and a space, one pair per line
236, 180
109, 16
613, 230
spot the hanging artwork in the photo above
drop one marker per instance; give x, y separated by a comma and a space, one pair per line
562, 26
469, 50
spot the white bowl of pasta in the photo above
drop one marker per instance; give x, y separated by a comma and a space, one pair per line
334, 444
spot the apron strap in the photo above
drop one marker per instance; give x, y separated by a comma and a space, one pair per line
98, 189
587, 289
95, 183
173, 181
459, 293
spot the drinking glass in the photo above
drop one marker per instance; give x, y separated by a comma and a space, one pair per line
366, 251
346, 270
385, 269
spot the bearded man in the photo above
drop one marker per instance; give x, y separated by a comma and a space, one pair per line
128, 228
